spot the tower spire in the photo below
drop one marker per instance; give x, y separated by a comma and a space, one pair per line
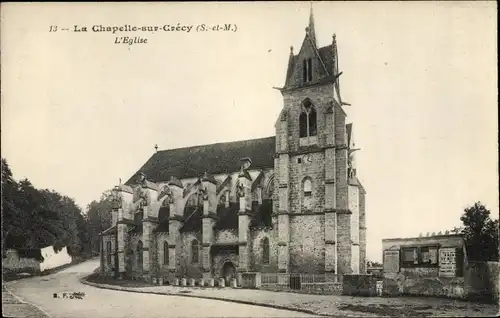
310, 29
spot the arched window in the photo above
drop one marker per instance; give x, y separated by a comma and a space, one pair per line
108, 252
265, 250
307, 193
312, 122
195, 251
303, 124
139, 254
308, 120
165, 253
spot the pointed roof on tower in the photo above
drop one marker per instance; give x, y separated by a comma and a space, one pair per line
322, 64
311, 32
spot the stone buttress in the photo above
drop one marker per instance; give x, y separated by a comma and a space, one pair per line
209, 217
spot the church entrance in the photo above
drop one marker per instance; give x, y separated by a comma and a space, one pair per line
228, 272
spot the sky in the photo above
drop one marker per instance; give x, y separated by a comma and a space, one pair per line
79, 111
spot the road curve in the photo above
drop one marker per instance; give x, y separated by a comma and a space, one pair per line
109, 303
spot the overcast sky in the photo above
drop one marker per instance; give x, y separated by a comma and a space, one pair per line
79, 111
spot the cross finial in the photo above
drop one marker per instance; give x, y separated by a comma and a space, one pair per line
120, 181
156, 148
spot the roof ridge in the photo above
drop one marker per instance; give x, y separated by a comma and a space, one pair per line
217, 143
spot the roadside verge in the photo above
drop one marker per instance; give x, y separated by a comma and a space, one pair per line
180, 293
14, 306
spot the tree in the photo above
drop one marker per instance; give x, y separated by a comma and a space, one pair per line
33, 218
374, 264
480, 233
98, 218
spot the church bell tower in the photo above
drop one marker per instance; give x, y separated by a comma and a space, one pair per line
311, 165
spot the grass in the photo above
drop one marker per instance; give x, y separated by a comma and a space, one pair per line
97, 278
386, 310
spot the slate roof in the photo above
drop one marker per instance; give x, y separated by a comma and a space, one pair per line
137, 227
215, 158
193, 216
262, 213
228, 217
163, 216
325, 55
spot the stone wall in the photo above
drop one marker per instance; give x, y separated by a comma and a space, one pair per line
313, 168
359, 285
344, 245
450, 287
108, 266
222, 257
315, 289
162, 267
256, 237
132, 256
362, 233
226, 237
320, 96
188, 268
482, 281
13, 262
307, 244
423, 281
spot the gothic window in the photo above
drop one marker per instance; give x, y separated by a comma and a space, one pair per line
108, 252
307, 193
165, 253
265, 250
195, 251
308, 120
303, 124
139, 254
307, 70
312, 122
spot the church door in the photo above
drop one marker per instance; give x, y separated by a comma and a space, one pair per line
228, 272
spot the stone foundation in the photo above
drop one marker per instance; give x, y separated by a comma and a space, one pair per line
359, 285
313, 288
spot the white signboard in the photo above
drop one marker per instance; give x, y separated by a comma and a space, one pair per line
447, 262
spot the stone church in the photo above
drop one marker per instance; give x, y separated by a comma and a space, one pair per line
289, 203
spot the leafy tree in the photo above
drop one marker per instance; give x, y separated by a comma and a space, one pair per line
35, 218
98, 218
481, 233
374, 264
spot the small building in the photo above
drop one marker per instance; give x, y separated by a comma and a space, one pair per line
431, 265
